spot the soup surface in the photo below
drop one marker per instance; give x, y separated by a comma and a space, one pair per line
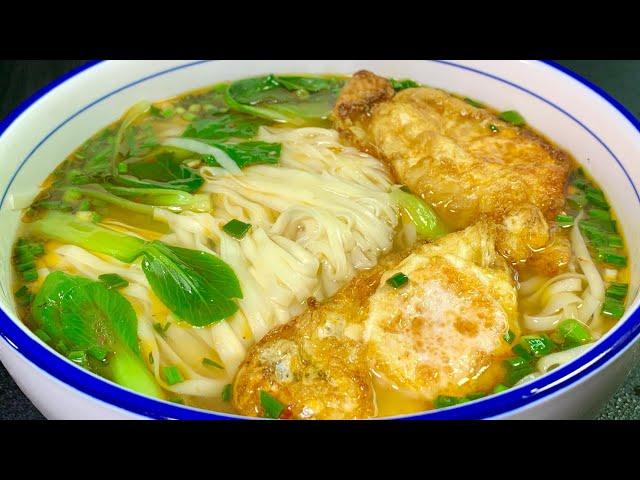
319, 247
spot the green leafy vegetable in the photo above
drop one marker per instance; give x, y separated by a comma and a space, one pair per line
67, 228
113, 280
224, 126
176, 200
271, 406
81, 315
285, 99
164, 170
245, 154
196, 286
428, 224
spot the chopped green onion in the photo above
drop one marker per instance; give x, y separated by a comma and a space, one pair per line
613, 307
599, 214
98, 352
44, 336
596, 197
473, 103
574, 332
177, 400
500, 388
172, 375
23, 291
537, 345
30, 275
113, 280
271, 406
509, 336
96, 217
62, 347
155, 111
444, 401
123, 168
397, 280
564, 220
77, 356
210, 363
580, 183
522, 352
167, 112
475, 396
236, 228
189, 117
516, 362
615, 290
512, 117
609, 256
614, 240
23, 267
493, 128
84, 206
226, 392
25, 300
402, 84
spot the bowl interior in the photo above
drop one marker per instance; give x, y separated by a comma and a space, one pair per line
570, 114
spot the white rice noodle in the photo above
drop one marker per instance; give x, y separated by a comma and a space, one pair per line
317, 218
542, 323
587, 265
569, 295
560, 358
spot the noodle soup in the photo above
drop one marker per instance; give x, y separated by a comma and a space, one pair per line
240, 248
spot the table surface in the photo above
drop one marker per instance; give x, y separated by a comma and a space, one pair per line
19, 79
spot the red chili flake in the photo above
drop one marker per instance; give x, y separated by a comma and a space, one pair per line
287, 413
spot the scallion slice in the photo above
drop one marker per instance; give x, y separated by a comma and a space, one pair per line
172, 375
207, 362
512, 117
397, 280
236, 228
615, 290
226, 392
271, 406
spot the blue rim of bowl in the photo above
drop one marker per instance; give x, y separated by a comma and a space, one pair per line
515, 398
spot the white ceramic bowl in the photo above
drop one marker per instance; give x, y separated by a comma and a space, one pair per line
579, 117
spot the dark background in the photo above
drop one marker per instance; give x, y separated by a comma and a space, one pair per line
19, 79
